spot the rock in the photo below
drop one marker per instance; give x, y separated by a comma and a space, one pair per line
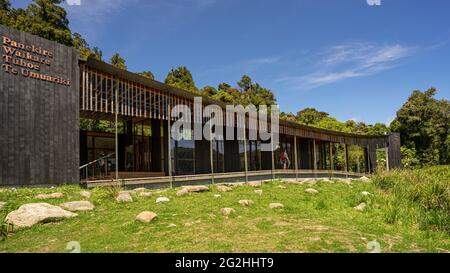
282, 187
162, 200
260, 192
345, 181
124, 197
365, 179
78, 206
2, 205
196, 188
309, 181
366, 193
246, 203
86, 194
145, 194
360, 207
276, 206
221, 188
217, 195
139, 190
311, 191
255, 184
172, 226
146, 216
226, 211
327, 180
55, 195
31, 214
182, 192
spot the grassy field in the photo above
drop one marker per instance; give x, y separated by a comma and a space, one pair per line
407, 212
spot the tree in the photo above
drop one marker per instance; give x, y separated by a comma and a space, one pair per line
5, 12
208, 91
148, 74
118, 61
181, 78
424, 124
310, 116
97, 53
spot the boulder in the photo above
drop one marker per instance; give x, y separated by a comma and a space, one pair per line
86, 194
365, 179
2, 205
222, 188
309, 181
276, 206
347, 181
146, 216
145, 194
260, 192
78, 206
172, 226
366, 193
226, 211
246, 203
360, 207
312, 191
124, 197
217, 195
255, 184
282, 187
182, 192
196, 188
55, 195
162, 200
31, 214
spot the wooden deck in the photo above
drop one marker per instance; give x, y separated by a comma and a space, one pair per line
205, 179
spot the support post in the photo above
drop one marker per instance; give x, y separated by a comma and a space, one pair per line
245, 155
116, 91
273, 157
346, 160
169, 150
295, 158
211, 154
331, 160
387, 158
314, 158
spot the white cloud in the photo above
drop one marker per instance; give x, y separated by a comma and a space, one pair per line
350, 61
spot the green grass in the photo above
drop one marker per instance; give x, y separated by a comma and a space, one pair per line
406, 213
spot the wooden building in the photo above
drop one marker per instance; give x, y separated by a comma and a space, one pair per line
42, 144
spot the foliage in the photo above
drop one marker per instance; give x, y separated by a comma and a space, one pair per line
148, 74
425, 189
181, 78
118, 61
424, 125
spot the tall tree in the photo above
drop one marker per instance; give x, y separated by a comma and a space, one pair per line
181, 78
208, 91
310, 116
118, 61
424, 125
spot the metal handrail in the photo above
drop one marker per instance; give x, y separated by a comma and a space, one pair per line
95, 161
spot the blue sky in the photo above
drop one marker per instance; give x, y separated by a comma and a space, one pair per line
344, 57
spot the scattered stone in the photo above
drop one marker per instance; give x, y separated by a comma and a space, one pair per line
360, 207
365, 179
86, 194
255, 184
260, 192
172, 226
226, 211
282, 187
366, 193
217, 195
196, 188
189, 224
139, 190
311, 191
182, 192
145, 194
347, 181
31, 214
309, 181
124, 197
55, 195
246, 203
162, 200
146, 216
2, 205
222, 188
327, 180
276, 206
78, 206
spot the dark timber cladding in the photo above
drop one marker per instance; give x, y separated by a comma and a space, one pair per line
39, 111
